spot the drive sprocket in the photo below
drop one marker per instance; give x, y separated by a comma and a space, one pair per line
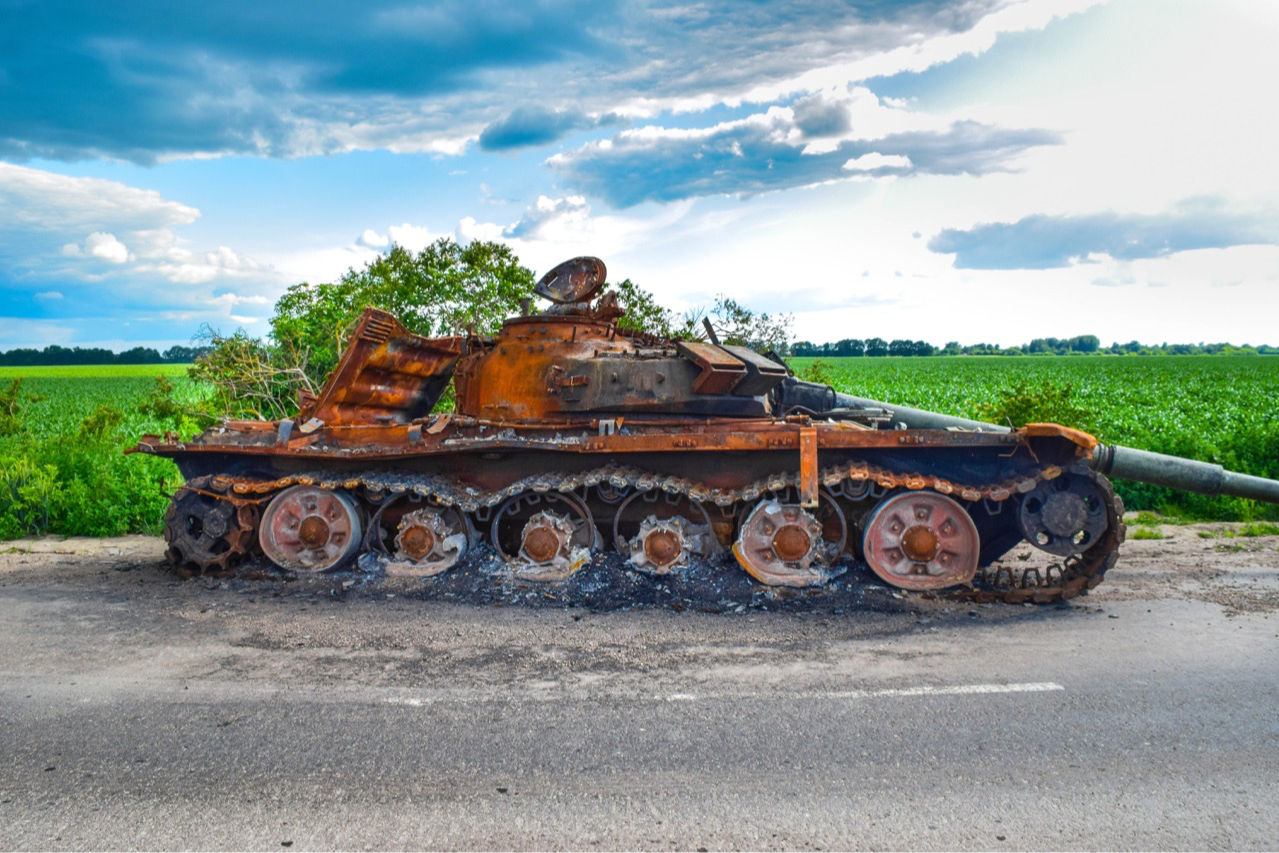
207, 531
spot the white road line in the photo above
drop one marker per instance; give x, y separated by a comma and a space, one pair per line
887, 693
956, 690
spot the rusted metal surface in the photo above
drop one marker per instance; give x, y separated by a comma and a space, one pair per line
660, 531
762, 373
427, 543
808, 466
576, 280
544, 535
571, 433
719, 371
781, 544
922, 541
385, 376
306, 528
205, 532
1085, 441
584, 436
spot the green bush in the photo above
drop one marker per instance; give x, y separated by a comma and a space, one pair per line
27, 495
1029, 402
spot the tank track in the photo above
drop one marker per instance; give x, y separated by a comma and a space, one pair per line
1062, 580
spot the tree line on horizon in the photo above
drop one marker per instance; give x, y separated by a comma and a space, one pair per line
55, 355
58, 356
1078, 345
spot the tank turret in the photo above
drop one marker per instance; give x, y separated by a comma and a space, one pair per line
575, 361
572, 434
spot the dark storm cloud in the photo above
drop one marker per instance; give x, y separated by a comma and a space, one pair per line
148, 79
141, 79
1044, 242
751, 157
528, 126
817, 117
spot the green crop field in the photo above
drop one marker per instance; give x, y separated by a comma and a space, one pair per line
63, 431
62, 467
94, 371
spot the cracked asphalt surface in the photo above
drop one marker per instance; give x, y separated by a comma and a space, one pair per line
142, 711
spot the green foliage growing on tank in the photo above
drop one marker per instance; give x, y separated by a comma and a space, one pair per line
644, 314
445, 289
1029, 402
248, 377
736, 324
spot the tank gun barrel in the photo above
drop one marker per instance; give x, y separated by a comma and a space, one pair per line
1158, 469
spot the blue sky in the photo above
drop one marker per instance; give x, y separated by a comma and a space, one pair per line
989, 170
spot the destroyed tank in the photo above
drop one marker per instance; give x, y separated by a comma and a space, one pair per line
572, 435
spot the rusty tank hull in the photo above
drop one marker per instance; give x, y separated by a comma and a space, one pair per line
572, 435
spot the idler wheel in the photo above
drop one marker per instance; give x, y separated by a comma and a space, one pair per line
1065, 515
543, 536
310, 529
427, 543
921, 540
781, 544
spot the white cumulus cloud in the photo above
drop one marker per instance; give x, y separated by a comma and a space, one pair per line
415, 238
106, 246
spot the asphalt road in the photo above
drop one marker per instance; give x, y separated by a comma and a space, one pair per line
142, 712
